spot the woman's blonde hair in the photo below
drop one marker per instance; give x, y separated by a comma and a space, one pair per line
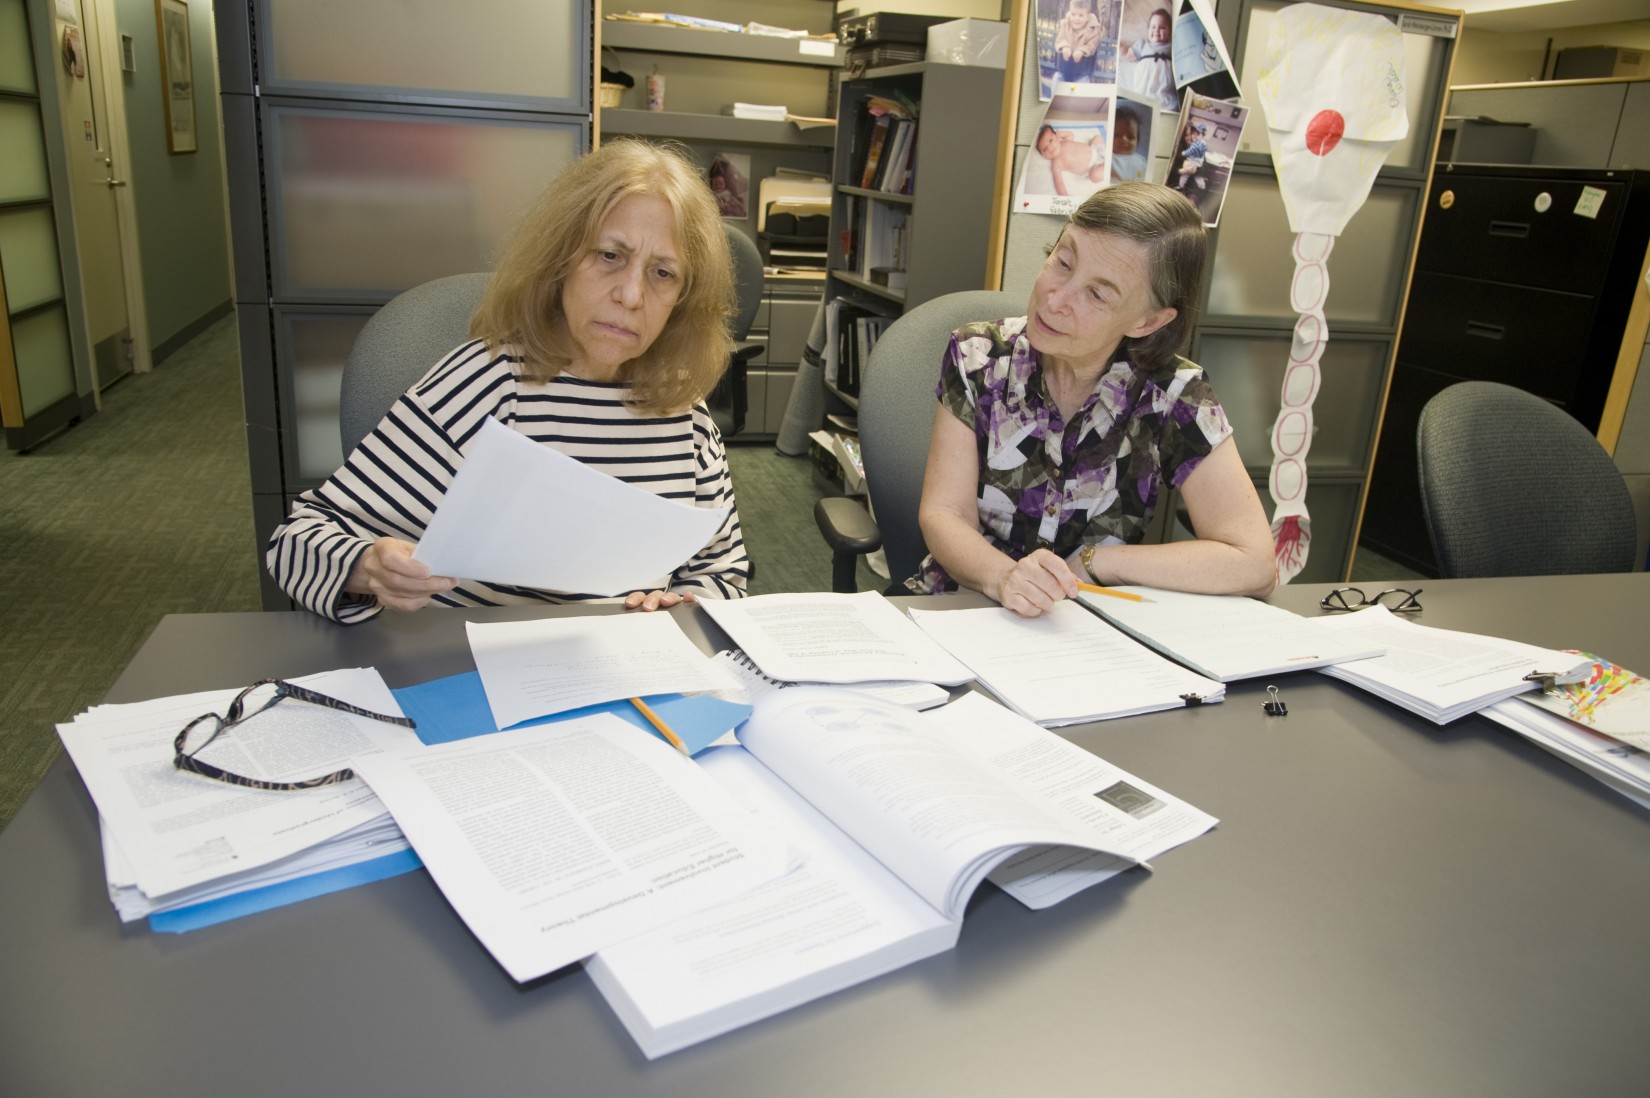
522, 306
1177, 254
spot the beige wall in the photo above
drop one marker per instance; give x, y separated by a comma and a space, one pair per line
1490, 57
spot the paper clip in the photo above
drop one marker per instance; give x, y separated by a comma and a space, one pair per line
1191, 699
1547, 680
1275, 707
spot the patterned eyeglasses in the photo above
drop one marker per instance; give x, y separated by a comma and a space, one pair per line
260, 697
1396, 599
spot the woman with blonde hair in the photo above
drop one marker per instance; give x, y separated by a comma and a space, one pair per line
1058, 431
600, 333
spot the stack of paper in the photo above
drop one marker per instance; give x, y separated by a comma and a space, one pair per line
1439, 673
829, 638
1600, 724
759, 112
901, 816
176, 840
1065, 666
1225, 637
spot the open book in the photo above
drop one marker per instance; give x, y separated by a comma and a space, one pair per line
901, 815
1065, 666
1226, 637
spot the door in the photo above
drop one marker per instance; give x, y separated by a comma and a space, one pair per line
89, 91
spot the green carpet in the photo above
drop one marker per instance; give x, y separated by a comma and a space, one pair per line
142, 510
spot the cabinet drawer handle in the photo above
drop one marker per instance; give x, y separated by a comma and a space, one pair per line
1485, 331
1517, 229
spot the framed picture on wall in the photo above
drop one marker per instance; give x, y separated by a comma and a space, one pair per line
177, 74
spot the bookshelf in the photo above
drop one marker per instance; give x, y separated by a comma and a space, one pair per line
705, 72
900, 240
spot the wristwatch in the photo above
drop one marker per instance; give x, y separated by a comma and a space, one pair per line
1086, 555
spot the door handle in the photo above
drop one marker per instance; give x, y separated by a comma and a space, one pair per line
115, 182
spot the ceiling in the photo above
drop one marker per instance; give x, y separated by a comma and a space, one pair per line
1524, 16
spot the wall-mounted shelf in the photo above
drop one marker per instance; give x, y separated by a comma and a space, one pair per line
657, 38
716, 127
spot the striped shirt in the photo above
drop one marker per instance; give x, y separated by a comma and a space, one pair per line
391, 483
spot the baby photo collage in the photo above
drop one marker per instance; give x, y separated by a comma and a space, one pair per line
1108, 69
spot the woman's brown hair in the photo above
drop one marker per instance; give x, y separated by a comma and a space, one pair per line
522, 306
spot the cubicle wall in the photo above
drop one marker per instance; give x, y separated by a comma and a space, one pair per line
1244, 335
368, 153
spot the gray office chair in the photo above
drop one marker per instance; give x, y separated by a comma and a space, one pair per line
728, 402
1513, 486
411, 333
896, 417
401, 341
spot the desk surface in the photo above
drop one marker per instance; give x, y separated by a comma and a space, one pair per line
1387, 908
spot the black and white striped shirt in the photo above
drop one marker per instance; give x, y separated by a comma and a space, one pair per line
391, 483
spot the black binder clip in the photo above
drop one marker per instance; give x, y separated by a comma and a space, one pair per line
1275, 707
1192, 699
1547, 680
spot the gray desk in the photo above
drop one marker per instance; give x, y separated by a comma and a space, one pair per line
1387, 908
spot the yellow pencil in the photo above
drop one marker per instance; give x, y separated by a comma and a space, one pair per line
1096, 589
664, 729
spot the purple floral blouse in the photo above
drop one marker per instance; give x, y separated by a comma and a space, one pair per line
1045, 483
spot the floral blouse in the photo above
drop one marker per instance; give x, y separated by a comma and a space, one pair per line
1045, 483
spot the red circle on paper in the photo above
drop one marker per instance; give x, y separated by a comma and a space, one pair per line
1324, 132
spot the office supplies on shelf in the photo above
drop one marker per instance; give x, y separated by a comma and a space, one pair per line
753, 683
504, 519
1441, 674
830, 638
538, 667
555, 841
1065, 666
1225, 637
173, 839
890, 864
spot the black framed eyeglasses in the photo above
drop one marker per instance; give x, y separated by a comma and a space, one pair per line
260, 697
1396, 599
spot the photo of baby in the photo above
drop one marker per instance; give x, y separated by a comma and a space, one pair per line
1201, 65
729, 178
1131, 135
1205, 148
1145, 58
1070, 155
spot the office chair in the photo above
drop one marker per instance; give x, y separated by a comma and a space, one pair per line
411, 333
728, 402
1513, 486
399, 343
896, 417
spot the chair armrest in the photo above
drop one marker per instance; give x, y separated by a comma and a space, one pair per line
847, 525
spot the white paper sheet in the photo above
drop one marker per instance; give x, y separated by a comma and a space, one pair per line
535, 668
821, 637
554, 841
178, 830
519, 512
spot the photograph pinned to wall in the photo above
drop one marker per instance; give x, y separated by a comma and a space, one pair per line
1131, 140
1201, 64
177, 75
1206, 144
729, 176
1145, 58
1070, 156
1076, 43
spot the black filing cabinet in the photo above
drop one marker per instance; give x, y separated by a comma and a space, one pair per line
1524, 275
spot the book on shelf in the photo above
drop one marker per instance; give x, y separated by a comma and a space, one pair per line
873, 151
899, 816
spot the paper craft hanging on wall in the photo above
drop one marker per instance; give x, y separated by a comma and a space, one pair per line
1332, 87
